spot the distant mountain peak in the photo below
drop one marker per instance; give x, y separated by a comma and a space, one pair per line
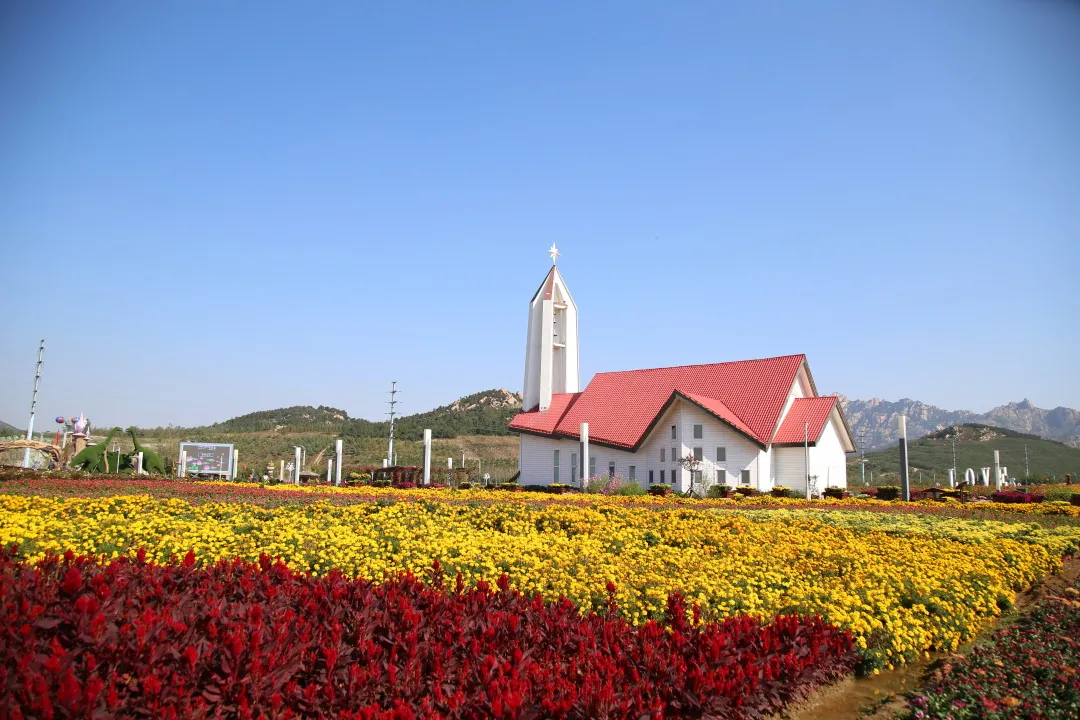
875, 422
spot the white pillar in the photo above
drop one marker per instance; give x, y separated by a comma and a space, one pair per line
235, 462
584, 454
296, 466
984, 476
427, 457
138, 463
183, 463
952, 477
337, 465
385, 462
281, 472
330, 471
997, 471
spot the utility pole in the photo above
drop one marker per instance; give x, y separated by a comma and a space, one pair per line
1027, 469
393, 405
33, 401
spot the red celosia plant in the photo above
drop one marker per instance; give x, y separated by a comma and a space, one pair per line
129, 638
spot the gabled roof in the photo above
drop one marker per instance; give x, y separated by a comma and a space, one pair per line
814, 411
621, 407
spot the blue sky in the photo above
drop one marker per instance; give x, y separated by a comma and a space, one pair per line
214, 208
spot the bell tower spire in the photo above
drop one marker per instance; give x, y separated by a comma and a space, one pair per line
551, 348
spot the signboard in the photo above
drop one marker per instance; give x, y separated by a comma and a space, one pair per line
207, 458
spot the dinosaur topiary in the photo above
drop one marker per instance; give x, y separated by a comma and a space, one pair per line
151, 461
92, 457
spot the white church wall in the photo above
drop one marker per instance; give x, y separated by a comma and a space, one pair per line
827, 458
740, 453
660, 439
788, 464
536, 459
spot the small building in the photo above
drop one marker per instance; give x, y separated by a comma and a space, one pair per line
749, 422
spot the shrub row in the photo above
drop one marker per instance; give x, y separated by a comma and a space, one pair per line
131, 638
1016, 496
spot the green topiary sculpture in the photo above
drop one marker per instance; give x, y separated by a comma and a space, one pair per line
92, 458
151, 461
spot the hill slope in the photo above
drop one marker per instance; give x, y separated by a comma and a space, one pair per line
299, 418
482, 413
876, 422
932, 456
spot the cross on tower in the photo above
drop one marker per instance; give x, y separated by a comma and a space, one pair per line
554, 253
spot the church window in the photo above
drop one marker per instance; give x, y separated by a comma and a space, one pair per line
745, 479
573, 468
592, 466
663, 452
556, 477
721, 454
633, 472
697, 432
651, 476
611, 469
674, 432
721, 476
698, 455
674, 455
661, 476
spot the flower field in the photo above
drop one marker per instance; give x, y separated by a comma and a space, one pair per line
902, 584
127, 638
1030, 669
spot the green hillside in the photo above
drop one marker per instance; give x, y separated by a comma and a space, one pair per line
932, 456
299, 418
475, 425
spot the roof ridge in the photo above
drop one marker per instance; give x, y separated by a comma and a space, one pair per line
693, 365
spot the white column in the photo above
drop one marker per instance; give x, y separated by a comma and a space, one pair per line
281, 472
235, 462
584, 454
337, 465
296, 466
183, 463
997, 471
427, 457
952, 477
330, 471
138, 463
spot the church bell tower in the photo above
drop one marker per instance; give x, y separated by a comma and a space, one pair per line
551, 349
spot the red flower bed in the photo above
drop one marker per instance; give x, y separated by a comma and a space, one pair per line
243, 640
1015, 496
1026, 670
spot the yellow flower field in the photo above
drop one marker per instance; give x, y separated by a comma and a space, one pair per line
1007, 509
903, 586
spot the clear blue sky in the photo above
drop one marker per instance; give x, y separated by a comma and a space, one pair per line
213, 208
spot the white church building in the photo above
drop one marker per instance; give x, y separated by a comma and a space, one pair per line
750, 422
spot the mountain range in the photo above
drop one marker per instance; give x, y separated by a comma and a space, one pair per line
876, 423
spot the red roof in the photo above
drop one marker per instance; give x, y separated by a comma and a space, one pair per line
621, 407
814, 411
544, 422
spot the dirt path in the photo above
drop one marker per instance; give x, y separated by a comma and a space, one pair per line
879, 697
